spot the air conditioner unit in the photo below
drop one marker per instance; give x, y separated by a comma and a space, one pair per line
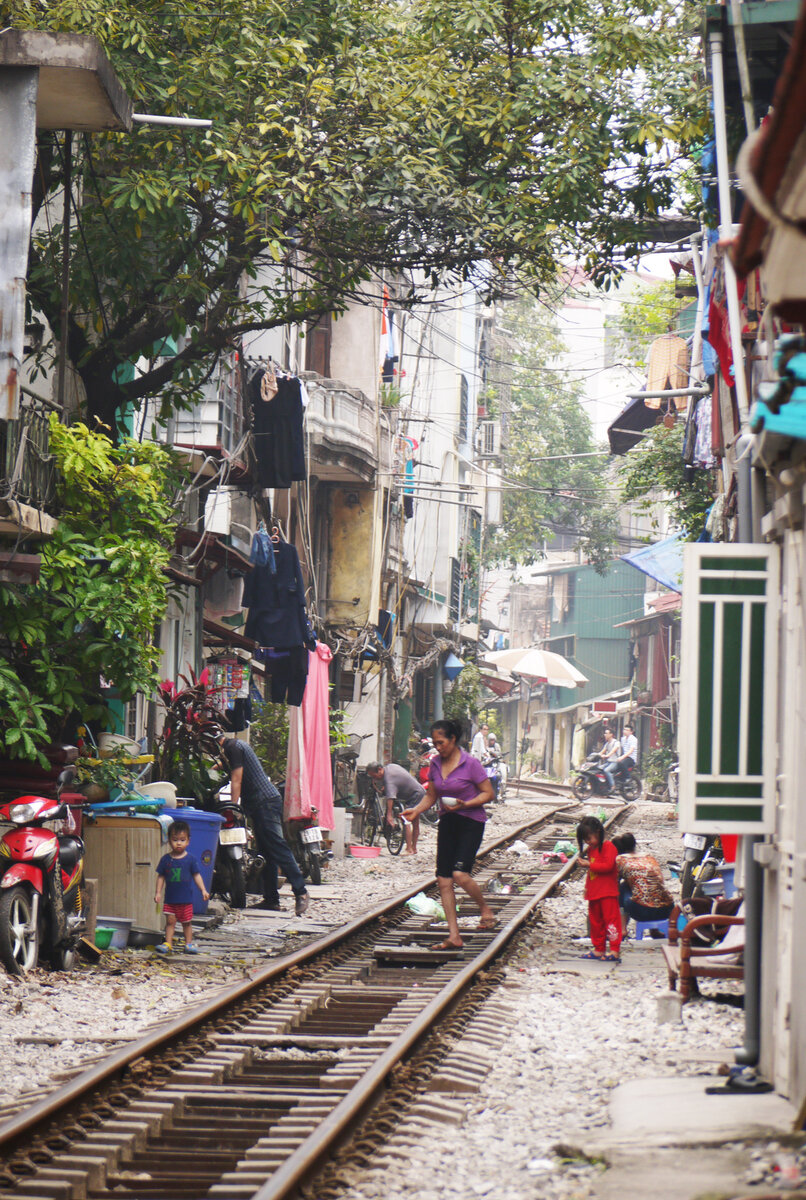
489, 439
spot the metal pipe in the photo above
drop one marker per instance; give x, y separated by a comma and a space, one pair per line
726, 222
737, 21
748, 1054
670, 393
183, 122
65, 305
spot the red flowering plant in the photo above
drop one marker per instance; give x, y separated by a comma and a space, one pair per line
187, 751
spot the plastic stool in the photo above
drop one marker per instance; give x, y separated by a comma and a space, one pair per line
642, 927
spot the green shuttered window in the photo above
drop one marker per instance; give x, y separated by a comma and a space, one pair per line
727, 696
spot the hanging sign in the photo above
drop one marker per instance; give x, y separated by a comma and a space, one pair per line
728, 688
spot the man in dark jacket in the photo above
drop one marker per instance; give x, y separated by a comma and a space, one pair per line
263, 806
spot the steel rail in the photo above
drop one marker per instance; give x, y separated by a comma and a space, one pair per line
304, 1161
13, 1131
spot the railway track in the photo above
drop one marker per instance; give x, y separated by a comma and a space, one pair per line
246, 1095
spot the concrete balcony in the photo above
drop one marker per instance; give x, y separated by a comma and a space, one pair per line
350, 441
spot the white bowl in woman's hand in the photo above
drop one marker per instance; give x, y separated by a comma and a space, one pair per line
450, 801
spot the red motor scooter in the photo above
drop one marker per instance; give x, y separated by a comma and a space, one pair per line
41, 901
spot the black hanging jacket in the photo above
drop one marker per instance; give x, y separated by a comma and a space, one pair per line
276, 603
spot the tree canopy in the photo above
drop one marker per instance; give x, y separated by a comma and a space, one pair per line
101, 591
556, 478
347, 139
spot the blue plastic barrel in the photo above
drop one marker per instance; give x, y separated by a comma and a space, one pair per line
204, 829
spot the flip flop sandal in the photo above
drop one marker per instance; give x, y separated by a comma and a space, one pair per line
447, 946
487, 925
612, 958
590, 954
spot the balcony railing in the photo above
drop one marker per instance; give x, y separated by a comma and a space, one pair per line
25, 452
349, 439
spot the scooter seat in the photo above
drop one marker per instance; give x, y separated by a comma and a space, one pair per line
71, 850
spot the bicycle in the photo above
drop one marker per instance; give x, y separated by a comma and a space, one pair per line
373, 817
344, 770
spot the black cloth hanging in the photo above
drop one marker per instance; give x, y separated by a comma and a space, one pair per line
276, 602
288, 671
277, 431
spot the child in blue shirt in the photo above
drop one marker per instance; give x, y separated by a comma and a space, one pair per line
176, 874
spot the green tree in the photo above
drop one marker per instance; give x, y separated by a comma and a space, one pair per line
101, 592
654, 473
348, 138
462, 701
557, 482
652, 312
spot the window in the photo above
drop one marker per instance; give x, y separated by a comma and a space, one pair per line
317, 346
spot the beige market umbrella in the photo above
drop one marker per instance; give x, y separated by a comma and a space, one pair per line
541, 666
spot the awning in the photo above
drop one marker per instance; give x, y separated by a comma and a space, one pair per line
628, 427
662, 562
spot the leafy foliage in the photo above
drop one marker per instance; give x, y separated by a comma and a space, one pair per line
462, 701
347, 138
556, 492
655, 471
187, 752
100, 595
652, 312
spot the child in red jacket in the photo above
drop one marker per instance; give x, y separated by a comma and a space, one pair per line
601, 889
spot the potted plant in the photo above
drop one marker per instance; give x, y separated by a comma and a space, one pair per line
96, 777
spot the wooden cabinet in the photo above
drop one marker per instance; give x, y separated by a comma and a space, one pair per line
122, 854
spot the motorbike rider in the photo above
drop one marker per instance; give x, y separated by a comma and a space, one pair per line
628, 753
609, 753
493, 747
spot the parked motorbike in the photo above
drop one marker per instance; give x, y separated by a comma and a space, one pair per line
305, 839
702, 859
427, 751
233, 856
496, 773
591, 780
41, 900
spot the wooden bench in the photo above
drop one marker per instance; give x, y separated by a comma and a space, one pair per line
688, 962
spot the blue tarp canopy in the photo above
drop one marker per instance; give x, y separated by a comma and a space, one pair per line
663, 562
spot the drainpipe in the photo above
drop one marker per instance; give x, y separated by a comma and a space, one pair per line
748, 1055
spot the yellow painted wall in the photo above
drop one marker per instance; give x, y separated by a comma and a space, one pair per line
351, 579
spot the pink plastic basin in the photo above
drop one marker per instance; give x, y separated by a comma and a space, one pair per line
365, 851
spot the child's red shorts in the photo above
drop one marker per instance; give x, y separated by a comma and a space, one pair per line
182, 912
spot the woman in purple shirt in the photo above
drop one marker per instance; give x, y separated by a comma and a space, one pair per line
460, 784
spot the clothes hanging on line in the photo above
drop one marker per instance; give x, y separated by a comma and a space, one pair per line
277, 428
288, 673
276, 602
309, 783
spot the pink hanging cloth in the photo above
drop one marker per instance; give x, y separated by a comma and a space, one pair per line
309, 783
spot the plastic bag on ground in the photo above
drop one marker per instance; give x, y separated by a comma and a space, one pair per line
426, 906
519, 847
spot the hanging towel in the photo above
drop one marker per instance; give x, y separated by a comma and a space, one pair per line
309, 783
668, 369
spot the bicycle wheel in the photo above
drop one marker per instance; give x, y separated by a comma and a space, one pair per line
395, 837
372, 825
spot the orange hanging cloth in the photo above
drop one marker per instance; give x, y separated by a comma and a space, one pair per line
668, 370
